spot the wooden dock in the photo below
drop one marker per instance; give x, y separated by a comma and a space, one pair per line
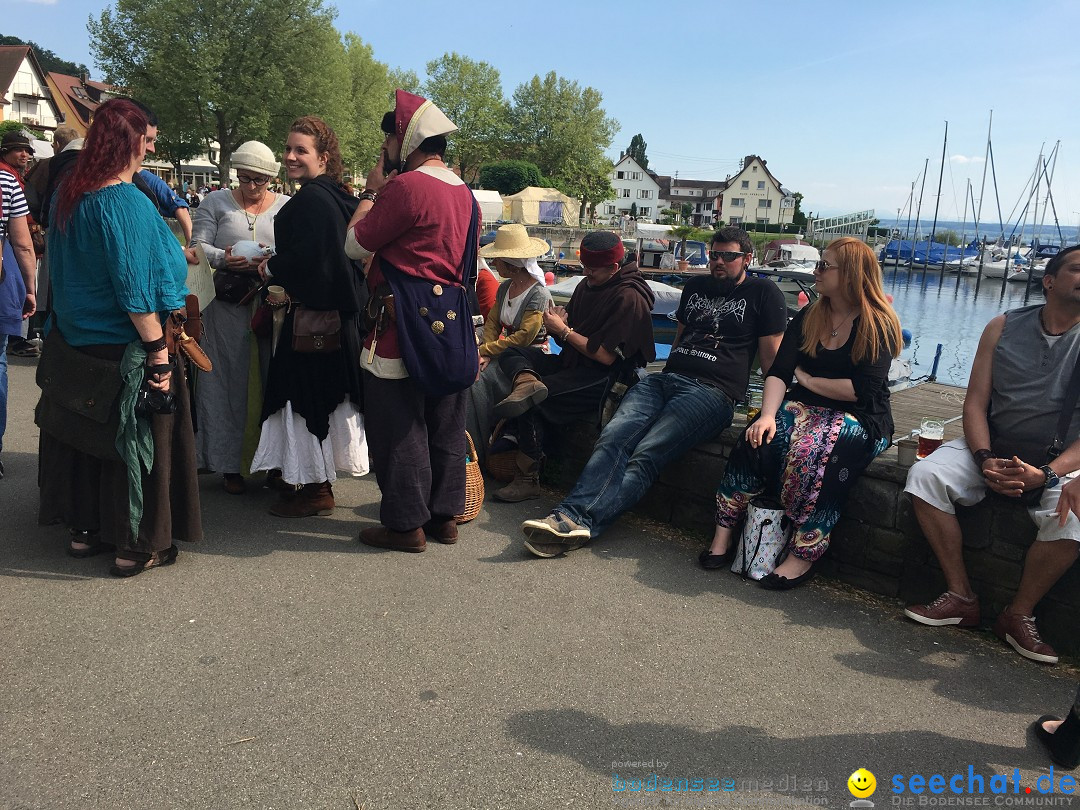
928, 400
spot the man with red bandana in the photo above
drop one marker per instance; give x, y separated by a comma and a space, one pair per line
418, 216
607, 321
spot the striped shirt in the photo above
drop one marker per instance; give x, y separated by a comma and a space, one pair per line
12, 200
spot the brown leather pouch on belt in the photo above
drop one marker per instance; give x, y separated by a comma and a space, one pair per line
176, 336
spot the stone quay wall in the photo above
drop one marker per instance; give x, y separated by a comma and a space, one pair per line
877, 545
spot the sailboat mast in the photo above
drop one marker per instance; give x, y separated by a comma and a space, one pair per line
937, 203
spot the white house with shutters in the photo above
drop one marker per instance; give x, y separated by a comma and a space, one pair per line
24, 93
754, 195
635, 191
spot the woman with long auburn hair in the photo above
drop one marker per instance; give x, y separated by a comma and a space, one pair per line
119, 469
312, 420
816, 435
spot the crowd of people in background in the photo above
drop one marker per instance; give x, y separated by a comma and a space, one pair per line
341, 338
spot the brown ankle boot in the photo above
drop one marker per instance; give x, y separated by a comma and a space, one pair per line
528, 391
526, 483
313, 499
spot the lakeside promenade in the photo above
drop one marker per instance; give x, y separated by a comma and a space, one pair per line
279, 664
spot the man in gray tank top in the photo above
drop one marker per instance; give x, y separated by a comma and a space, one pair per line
1015, 395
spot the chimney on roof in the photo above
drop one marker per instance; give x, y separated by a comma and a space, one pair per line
84, 78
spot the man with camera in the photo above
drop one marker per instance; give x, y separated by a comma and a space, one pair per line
1021, 440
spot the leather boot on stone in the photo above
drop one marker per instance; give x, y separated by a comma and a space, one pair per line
381, 537
441, 529
528, 391
313, 499
526, 483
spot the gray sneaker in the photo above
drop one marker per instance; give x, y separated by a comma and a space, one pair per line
553, 535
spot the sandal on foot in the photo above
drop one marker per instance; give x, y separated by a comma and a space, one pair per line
166, 557
93, 544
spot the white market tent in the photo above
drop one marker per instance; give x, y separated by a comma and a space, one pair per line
491, 205
534, 205
648, 230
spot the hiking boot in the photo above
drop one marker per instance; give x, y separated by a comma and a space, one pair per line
554, 535
313, 499
382, 537
234, 484
1023, 636
526, 483
949, 608
527, 392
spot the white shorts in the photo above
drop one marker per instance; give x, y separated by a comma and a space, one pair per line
948, 476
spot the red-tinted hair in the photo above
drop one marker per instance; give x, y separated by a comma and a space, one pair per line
113, 140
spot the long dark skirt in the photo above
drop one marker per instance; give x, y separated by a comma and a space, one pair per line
88, 494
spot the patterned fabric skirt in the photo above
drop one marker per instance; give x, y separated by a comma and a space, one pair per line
811, 464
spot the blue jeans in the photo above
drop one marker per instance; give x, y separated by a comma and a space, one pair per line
660, 418
3, 388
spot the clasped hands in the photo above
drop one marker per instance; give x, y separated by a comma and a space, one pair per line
555, 321
1011, 476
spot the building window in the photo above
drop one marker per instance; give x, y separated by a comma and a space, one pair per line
754, 169
708, 206
737, 202
746, 184
644, 194
610, 209
761, 185
735, 220
620, 175
644, 212
634, 175
764, 203
763, 220
624, 192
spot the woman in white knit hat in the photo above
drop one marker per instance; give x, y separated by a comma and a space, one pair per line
224, 219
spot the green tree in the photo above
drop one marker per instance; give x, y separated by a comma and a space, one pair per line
371, 94
798, 218
470, 93
510, 176
686, 210
49, 61
553, 119
406, 80
637, 151
253, 67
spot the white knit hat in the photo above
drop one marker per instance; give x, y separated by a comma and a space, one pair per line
255, 157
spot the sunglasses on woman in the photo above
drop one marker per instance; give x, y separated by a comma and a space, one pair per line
823, 265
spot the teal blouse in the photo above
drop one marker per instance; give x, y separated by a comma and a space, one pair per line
115, 255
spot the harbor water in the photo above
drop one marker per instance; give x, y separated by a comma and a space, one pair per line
938, 310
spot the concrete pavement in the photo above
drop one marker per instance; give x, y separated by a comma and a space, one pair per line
279, 664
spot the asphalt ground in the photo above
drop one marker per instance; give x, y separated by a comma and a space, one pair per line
280, 664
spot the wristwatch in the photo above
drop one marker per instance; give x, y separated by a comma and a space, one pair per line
1051, 476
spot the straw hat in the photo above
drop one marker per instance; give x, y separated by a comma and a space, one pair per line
514, 242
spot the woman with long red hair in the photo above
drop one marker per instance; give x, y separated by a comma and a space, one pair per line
118, 466
816, 435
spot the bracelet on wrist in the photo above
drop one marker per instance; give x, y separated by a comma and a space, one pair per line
370, 196
150, 346
981, 456
567, 333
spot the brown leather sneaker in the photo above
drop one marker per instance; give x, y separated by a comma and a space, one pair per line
949, 608
313, 499
382, 537
442, 530
1022, 635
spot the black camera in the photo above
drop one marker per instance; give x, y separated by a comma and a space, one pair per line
150, 400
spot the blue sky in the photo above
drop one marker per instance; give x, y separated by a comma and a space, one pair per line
845, 100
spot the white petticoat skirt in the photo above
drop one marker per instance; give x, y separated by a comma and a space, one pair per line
286, 444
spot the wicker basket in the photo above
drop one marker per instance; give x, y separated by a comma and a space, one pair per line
474, 484
502, 466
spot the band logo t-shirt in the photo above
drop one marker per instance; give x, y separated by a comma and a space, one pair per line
721, 327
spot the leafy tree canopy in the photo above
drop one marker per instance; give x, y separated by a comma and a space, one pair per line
511, 176
637, 151
252, 67
470, 93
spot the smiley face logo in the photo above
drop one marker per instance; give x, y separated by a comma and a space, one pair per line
861, 783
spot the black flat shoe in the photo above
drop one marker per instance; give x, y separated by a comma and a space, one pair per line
1063, 748
775, 582
166, 557
94, 545
711, 562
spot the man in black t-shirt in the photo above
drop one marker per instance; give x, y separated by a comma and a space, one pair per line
724, 319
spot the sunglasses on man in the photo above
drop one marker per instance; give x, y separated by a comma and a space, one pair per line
725, 255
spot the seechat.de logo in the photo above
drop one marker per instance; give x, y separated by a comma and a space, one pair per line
861, 784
